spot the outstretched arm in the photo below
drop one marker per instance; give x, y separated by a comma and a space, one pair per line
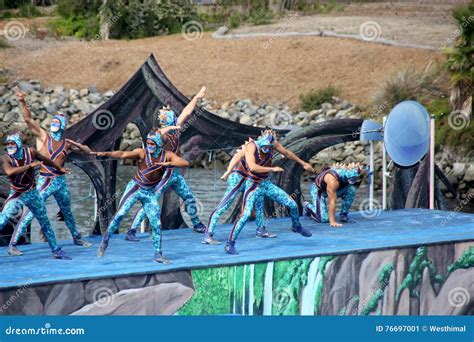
137, 153
290, 155
253, 166
165, 130
12, 170
174, 160
75, 146
33, 125
190, 107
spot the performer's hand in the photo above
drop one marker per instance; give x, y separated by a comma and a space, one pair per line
225, 176
19, 94
65, 170
277, 169
174, 127
308, 167
73, 142
99, 154
335, 224
201, 93
164, 163
36, 164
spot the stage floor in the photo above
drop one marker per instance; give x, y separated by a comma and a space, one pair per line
390, 229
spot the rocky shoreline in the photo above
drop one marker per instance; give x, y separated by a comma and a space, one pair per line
77, 103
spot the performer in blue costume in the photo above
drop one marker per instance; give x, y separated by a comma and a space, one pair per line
151, 166
19, 166
336, 181
255, 167
173, 178
51, 182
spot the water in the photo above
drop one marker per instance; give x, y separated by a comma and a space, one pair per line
205, 184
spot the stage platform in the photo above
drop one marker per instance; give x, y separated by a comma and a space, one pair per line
389, 230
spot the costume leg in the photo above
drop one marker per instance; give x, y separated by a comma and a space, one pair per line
129, 198
314, 208
152, 210
140, 214
278, 195
35, 203
45, 189
347, 195
251, 194
322, 207
11, 208
180, 186
235, 183
63, 198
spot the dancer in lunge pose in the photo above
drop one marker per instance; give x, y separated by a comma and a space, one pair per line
336, 181
19, 166
167, 119
255, 167
152, 163
51, 181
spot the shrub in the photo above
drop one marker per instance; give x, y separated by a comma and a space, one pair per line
234, 20
3, 44
260, 16
79, 27
315, 98
29, 11
409, 84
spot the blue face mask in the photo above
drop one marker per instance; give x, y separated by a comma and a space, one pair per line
15, 152
57, 129
156, 149
265, 143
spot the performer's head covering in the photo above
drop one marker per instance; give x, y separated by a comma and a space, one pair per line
15, 148
350, 174
266, 141
154, 147
58, 126
167, 117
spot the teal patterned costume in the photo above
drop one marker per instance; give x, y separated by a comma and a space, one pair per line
235, 186
257, 186
318, 209
51, 182
173, 179
142, 189
24, 193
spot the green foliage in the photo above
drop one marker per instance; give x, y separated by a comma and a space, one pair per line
29, 11
384, 277
234, 20
75, 8
415, 273
409, 84
6, 15
315, 7
260, 16
323, 263
3, 44
79, 27
12, 3
289, 277
466, 260
212, 292
315, 98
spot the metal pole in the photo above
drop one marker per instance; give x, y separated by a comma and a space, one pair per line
432, 161
371, 171
384, 172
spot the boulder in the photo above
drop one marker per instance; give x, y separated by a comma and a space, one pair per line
469, 175
458, 170
162, 299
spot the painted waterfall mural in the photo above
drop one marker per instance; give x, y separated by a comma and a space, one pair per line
407, 281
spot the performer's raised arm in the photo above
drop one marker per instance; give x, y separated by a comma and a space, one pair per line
186, 112
33, 125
